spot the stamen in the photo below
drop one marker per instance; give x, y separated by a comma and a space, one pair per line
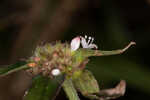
92, 40
85, 36
89, 40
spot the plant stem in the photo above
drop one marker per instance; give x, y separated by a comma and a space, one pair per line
12, 70
89, 53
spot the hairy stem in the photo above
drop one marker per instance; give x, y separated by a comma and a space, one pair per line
89, 53
4, 72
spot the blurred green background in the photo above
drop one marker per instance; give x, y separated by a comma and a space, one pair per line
24, 24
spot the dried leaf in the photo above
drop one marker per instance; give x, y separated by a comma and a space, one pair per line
113, 93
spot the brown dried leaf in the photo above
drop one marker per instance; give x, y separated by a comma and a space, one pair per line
113, 93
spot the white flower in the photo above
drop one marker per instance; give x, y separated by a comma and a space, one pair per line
75, 43
55, 72
88, 43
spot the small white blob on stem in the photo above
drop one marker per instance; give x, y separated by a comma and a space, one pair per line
55, 72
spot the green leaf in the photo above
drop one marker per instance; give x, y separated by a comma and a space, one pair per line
70, 90
43, 88
86, 83
5, 70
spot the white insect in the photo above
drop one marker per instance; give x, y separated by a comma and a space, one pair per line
87, 42
55, 72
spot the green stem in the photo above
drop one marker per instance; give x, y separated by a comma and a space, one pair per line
13, 70
89, 52
70, 90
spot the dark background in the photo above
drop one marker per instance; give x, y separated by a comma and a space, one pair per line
113, 23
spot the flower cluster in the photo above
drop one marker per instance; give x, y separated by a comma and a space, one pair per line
52, 60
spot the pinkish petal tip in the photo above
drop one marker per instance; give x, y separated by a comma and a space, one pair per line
75, 43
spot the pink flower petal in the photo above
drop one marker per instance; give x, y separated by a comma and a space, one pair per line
75, 43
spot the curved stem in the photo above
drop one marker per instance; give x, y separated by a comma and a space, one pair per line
89, 53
